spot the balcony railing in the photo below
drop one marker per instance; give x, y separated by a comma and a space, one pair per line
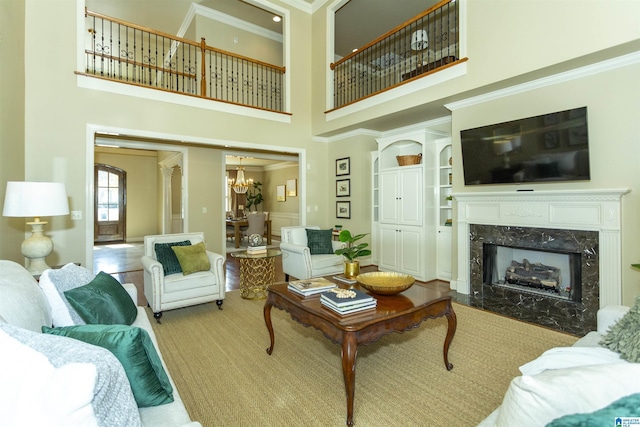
129, 53
423, 45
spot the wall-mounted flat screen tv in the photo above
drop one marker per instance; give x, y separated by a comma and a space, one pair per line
547, 148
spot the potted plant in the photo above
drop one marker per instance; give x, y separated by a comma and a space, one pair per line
254, 196
351, 252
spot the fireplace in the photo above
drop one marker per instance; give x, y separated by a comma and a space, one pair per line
571, 306
554, 274
582, 225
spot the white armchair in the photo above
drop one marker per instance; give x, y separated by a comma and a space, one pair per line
175, 290
297, 260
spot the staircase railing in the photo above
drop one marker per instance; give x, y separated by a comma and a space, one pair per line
420, 46
129, 53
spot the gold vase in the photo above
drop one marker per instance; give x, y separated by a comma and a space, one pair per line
351, 269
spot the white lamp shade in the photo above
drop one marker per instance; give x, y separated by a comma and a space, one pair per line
419, 40
35, 199
502, 146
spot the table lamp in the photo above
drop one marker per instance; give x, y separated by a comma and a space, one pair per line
36, 199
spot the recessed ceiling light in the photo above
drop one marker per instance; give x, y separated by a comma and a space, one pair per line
277, 19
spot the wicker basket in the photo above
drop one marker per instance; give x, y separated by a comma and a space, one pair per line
411, 159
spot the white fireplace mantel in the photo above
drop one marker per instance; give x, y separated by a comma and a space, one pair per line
594, 210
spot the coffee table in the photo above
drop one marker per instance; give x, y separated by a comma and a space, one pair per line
394, 313
257, 272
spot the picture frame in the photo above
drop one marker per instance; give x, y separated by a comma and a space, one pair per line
292, 187
343, 210
343, 166
280, 193
343, 188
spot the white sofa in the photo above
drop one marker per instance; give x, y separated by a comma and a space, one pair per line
297, 260
24, 307
569, 380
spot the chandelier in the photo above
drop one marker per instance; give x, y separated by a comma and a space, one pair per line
240, 186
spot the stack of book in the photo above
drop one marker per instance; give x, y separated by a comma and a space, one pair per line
256, 250
344, 279
311, 286
347, 301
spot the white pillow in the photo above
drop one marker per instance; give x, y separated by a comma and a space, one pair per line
570, 357
49, 380
54, 282
537, 400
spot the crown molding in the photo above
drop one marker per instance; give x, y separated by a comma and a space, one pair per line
196, 9
304, 6
422, 126
577, 73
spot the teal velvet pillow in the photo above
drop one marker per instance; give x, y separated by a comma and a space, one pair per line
166, 256
319, 241
624, 336
134, 349
103, 301
626, 407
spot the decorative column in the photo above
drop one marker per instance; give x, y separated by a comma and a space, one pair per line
167, 172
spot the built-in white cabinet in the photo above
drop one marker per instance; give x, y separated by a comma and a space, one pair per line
405, 238
444, 179
375, 208
402, 195
401, 249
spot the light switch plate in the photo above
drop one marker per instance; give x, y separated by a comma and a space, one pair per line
76, 215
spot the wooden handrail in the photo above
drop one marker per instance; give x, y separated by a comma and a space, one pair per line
139, 27
333, 65
139, 64
201, 45
244, 58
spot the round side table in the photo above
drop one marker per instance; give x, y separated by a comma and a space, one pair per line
257, 272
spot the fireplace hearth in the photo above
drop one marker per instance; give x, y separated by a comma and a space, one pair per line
561, 268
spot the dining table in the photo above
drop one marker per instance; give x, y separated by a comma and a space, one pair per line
237, 223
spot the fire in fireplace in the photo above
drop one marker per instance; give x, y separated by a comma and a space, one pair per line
555, 274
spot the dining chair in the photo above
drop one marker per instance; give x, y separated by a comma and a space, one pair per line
256, 224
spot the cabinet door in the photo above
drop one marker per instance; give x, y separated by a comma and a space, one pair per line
389, 197
444, 253
410, 258
388, 248
410, 196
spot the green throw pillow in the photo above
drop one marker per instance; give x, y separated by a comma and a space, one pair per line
628, 407
319, 241
167, 257
192, 258
134, 349
624, 336
103, 301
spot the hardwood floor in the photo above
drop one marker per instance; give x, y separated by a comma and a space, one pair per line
119, 263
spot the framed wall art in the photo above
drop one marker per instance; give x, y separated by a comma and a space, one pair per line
343, 166
343, 188
292, 187
343, 210
280, 193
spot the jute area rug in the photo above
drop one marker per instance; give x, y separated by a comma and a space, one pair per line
218, 361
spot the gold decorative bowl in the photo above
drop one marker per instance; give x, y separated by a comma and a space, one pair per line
385, 283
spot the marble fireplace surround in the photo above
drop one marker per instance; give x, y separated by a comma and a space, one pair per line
588, 210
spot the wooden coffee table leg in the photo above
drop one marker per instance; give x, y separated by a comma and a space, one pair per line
267, 320
349, 352
452, 322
